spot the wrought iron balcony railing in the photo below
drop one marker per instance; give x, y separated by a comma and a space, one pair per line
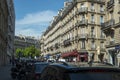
82, 36
108, 24
82, 22
67, 42
83, 10
110, 4
112, 43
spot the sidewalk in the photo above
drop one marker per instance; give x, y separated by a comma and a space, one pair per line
5, 72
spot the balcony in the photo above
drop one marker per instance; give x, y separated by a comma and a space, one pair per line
92, 22
92, 10
82, 22
110, 4
67, 42
83, 10
93, 47
112, 42
107, 24
82, 36
92, 36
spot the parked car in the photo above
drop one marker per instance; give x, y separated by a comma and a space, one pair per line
34, 72
66, 72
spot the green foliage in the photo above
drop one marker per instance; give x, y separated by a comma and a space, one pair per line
19, 52
28, 52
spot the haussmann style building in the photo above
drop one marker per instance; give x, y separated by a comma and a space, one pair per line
75, 33
111, 28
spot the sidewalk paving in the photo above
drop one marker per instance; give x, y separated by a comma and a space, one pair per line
5, 72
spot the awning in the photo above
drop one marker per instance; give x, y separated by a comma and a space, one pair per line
70, 54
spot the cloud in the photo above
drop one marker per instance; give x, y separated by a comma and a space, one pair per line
34, 24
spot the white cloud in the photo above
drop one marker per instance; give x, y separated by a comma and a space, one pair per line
34, 24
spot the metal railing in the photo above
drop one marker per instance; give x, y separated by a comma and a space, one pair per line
108, 24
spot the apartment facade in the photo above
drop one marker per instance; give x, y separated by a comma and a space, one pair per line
23, 42
5, 13
11, 29
75, 33
111, 28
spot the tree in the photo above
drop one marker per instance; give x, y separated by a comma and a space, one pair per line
28, 52
19, 52
31, 52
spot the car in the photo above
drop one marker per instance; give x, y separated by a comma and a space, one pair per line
66, 72
34, 72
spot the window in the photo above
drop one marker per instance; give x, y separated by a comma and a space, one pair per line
93, 45
83, 17
102, 34
101, 8
83, 44
92, 7
92, 18
102, 45
101, 20
92, 31
111, 15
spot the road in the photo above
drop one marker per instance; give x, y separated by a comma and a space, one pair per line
5, 73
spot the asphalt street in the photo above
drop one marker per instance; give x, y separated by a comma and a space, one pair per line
5, 72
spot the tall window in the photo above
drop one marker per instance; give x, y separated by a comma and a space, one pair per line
102, 45
92, 6
101, 8
71, 35
101, 20
92, 18
111, 15
83, 44
83, 17
102, 34
92, 31
93, 45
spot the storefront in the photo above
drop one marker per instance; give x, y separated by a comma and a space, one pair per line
70, 56
83, 56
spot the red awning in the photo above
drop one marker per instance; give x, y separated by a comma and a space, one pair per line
70, 54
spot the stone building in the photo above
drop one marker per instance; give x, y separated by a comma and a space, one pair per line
11, 29
75, 33
111, 28
7, 25
25, 41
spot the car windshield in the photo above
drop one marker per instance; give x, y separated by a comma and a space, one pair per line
95, 76
40, 67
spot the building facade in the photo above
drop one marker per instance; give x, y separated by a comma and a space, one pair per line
11, 29
75, 33
23, 42
111, 28
4, 29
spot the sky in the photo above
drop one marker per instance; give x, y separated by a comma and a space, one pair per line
34, 16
